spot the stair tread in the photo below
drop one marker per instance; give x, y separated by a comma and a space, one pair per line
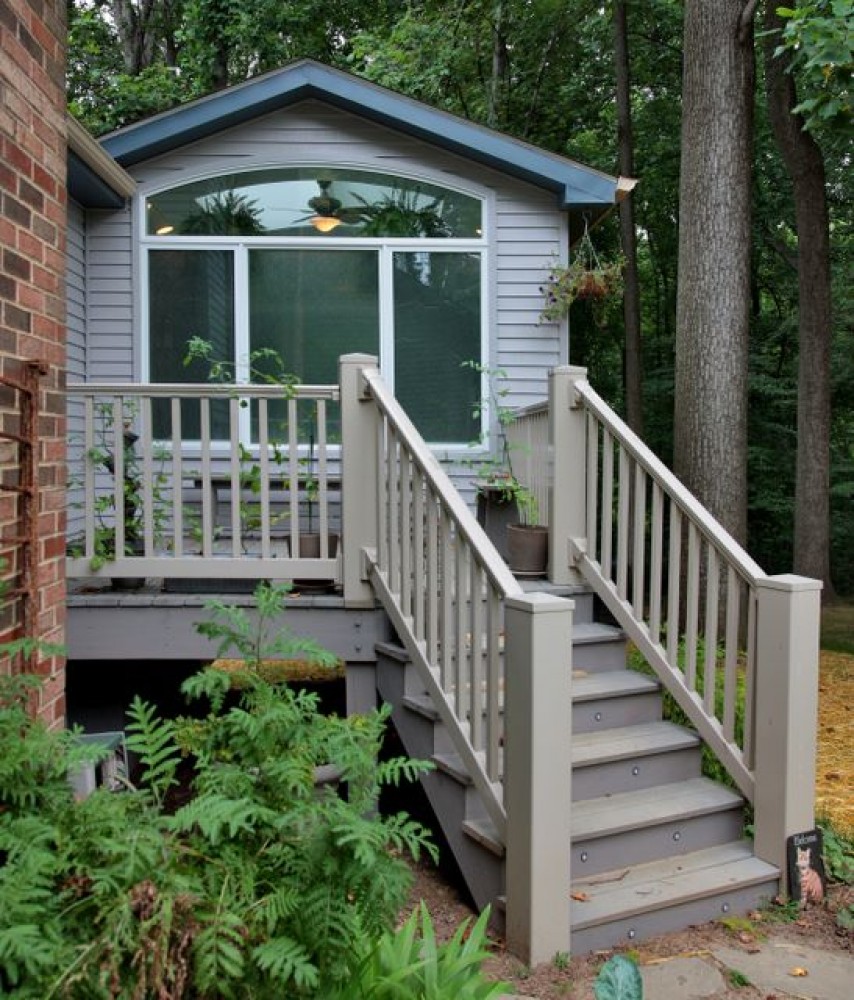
659, 884
624, 811
611, 684
629, 741
584, 632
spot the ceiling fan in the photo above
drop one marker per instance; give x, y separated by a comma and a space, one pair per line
328, 211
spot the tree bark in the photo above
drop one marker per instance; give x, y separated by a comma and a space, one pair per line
805, 166
713, 295
633, 364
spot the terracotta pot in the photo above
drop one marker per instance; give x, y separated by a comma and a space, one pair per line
528, 549
309, 545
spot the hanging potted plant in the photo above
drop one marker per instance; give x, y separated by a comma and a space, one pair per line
587, 277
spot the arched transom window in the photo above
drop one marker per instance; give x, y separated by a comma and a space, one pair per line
316, 262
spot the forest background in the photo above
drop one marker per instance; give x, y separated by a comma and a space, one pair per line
625, 87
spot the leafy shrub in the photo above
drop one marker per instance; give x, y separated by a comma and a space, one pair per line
260, 884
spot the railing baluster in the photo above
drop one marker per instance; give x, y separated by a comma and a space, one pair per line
446, 633
495, 657
624, 495
711, 633
479, 649
607, 504
656, 553
462, 638
692, 607
89, 497
674, 564
393, 472
235, 489
146, 435
747, 746
119, 476
418, 514
639, 542
177, 478
322, 478
592, 483
384, 486
264, 468
294, 478
733, 618
208, 496
435, 584
406, 533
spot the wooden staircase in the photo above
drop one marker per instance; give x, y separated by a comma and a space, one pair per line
655, 845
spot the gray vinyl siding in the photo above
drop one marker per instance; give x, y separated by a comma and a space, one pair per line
527, 233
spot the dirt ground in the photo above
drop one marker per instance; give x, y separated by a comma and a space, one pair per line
815, 926
574, 978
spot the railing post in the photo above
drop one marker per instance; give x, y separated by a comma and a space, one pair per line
359, 477
786, 710
568, 438
537, 773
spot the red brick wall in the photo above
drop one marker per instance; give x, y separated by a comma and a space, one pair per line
32, 310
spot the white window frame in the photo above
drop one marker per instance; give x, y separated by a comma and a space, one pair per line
483, 245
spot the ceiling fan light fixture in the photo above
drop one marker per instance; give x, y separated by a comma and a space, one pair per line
324, 223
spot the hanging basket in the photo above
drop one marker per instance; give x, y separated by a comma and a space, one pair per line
587, 277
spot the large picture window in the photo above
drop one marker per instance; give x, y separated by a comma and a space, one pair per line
241, 262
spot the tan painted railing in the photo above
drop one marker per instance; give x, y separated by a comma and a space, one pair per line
495, 661
203, 480
737, 650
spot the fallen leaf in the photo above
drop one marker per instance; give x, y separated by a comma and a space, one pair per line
581, 897
798, 971
746, 937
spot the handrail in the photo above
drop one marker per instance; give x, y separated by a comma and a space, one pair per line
202, 390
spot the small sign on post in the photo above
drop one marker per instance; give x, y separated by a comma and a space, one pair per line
805, 866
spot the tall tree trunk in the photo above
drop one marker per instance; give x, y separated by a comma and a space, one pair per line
805, 165
499, 67
713, 295
633, 365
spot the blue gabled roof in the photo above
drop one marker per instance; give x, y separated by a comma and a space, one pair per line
576, 186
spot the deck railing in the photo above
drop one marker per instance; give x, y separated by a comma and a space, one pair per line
203, 480
528, 444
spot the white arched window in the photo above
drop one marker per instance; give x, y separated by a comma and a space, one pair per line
316, 262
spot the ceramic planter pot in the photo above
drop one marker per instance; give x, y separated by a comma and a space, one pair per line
528, 549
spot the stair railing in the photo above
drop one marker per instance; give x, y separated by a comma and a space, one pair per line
412, 541
736, 649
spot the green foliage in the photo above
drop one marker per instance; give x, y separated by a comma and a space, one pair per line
838, 854
260, 883
410, 963
738, 979
618, 979
819, 39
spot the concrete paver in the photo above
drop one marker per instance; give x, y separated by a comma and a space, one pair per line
681, 979
829, 975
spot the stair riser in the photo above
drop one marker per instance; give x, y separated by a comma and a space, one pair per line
631, 930
631, 847
612, 777
595, 656
611, 713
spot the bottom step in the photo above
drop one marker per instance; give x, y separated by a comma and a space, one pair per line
637, 903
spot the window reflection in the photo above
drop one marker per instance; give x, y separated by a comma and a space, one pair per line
317, 202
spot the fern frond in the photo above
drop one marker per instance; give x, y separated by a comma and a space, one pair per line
285, 960
153, 740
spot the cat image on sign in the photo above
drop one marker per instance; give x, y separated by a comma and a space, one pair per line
812, 888
805, 867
